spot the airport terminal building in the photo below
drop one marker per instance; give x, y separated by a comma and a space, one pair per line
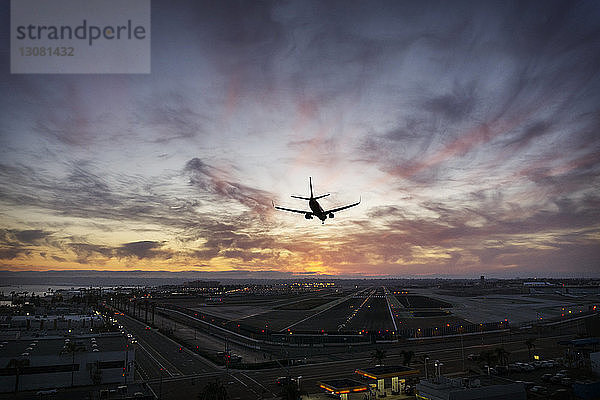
57, 362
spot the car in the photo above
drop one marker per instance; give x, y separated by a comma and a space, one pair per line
566, 381
547, 377
514, 368
526, 366
284, 380
547, 364
46, 392
557, 378
538, 389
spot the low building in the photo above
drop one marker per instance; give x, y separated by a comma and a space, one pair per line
480, 388
343, 387
46, 363
395, 374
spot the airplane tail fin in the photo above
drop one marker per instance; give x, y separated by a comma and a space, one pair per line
310, 184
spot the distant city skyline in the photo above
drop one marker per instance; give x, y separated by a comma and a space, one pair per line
469, 129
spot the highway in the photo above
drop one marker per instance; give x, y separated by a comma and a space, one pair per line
155, 351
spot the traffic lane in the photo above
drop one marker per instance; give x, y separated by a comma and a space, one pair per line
147, 343
146, 368
166, 353
184, 360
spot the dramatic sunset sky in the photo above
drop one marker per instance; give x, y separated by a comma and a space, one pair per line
471, 130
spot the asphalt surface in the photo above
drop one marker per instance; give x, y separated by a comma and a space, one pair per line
158, 355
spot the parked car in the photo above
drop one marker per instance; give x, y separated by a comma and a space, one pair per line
538, 389
566, 381
527, 367
547, 364
547, 377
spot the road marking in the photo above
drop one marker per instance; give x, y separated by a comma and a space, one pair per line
143, 344
162, 367
240, 381
258, 383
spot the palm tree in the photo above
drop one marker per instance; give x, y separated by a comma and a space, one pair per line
214, 391
18, 365
378, 355
530, 345
489, 356
407, 356
71, 348
291, 391
502, 355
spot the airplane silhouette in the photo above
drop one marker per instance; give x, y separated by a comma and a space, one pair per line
315, 208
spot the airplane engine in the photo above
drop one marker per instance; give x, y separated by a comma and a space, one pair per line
330, 215
308, 216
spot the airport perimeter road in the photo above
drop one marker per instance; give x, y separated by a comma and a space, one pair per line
155, 351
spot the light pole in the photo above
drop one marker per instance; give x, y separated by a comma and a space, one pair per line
438, 366
462, 348
426, 375
160, 386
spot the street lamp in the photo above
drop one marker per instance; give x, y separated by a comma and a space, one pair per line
438, 366
426, 375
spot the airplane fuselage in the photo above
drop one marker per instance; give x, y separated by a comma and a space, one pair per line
317, 210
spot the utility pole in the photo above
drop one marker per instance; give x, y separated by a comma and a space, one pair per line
160, 386
462, 348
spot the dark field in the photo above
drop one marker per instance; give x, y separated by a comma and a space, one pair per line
414, 301
307, 304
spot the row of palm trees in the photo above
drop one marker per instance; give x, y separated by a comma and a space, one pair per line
498, 355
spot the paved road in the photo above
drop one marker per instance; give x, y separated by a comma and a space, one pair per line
154, 352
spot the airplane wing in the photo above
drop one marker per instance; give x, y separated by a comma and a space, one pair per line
342, 208
292, 210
